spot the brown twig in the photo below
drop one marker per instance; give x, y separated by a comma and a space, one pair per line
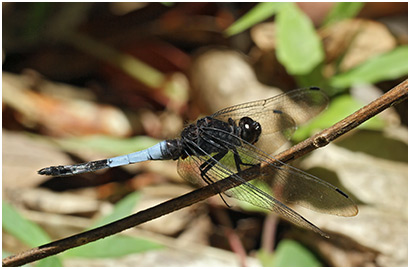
396, 95
392, 97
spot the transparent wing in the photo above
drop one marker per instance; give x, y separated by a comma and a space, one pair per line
189, 169
293, 186
288, 184
278, 115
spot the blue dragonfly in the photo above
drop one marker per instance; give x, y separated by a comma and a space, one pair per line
233, 139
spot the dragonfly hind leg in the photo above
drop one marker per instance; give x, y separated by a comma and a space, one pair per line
206, 166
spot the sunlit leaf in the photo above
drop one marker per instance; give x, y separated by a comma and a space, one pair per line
257, 14
343, 10
168, 4
289, 253
51, 261
117, 245
390, 65
122, 209
340, 107
299, 47
114, 246
26, 231
131, 65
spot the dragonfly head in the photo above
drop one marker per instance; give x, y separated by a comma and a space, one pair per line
249, 130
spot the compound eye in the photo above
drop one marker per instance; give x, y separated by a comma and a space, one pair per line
250, 130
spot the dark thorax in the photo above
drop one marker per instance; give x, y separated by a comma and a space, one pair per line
210, 135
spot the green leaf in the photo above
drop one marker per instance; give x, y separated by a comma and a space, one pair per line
5, 254
257, 14
340, 107
28, 232
266, 258
289, 253
129, 64
314, 77
114, 246
299, 48
122, 209
23, 229
52, 261
168, 4
117, 245
390, 65
343, 10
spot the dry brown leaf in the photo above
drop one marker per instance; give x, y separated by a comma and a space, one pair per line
61, 116
356, 40
264, 36
171, 223
381, 185
22, 157
223, 78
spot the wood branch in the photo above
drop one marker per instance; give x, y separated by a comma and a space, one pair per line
394, 96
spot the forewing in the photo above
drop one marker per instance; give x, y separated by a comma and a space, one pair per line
278, 115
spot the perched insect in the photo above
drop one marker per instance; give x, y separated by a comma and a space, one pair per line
239, 137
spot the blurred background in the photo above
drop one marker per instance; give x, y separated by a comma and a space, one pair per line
87, 81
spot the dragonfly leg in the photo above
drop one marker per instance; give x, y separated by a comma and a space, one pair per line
209, 181
206, 166
238, 161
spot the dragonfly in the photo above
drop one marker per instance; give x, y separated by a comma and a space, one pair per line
226, 143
